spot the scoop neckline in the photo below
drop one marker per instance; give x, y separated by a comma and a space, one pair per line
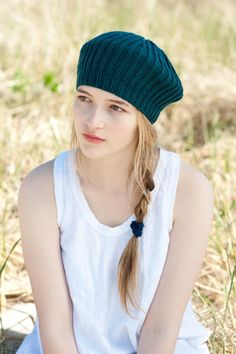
85, 208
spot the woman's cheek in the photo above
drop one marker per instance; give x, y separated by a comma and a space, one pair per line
79, 110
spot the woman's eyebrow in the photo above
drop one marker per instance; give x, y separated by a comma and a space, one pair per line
111, 100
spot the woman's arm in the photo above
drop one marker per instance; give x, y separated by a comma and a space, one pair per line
187, 248
41, 252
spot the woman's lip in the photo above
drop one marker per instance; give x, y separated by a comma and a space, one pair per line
93, 137
93, 140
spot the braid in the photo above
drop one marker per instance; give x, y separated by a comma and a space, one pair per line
141, 180
128, 263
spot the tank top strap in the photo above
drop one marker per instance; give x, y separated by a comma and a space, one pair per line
60, 177
171, 183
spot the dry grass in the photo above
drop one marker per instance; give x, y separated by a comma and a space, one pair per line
39, 45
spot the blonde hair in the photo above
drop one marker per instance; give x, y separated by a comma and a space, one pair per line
140, 180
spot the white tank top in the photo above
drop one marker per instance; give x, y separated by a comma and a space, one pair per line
90, 254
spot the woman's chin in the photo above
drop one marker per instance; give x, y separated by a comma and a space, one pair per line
91, 152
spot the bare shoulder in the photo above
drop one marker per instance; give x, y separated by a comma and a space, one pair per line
38, 187
41, 176
190, 174
191, 182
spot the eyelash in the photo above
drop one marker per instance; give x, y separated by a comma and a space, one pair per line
122, 110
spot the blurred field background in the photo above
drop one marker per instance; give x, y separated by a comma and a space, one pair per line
39, 49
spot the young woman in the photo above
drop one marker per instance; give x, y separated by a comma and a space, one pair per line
115, 229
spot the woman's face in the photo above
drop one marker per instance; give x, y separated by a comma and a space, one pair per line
96, 113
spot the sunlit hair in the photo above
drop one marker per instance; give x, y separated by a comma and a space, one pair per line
140, 183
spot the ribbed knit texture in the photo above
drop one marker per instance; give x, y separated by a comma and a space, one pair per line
131, 67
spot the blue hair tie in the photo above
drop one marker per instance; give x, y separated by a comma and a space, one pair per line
137, 228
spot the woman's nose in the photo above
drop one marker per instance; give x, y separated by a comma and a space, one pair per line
95, 119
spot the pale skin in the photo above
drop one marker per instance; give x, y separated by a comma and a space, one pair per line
192, 217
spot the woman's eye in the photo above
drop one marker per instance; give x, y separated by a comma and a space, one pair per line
121, 109
113, 105
82, 97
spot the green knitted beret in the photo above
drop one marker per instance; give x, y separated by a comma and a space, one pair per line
131, 67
